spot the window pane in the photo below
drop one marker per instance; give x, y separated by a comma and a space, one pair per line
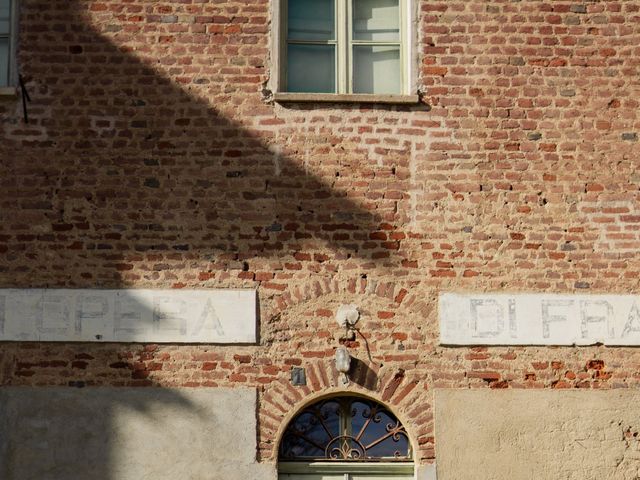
311, 68
373, 425
376, 69
309, 432
5, 14
311, 20
4, 62
376, 20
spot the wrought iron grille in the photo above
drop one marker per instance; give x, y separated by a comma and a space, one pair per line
345, 429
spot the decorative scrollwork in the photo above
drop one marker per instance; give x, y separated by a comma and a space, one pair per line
348, 449
395, 430
372, 413
345, 429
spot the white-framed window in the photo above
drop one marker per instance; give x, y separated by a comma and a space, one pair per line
8, 74
346, 47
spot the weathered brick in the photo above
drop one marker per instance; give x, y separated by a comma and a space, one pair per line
154, 158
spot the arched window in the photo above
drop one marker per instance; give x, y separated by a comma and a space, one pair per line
345, 438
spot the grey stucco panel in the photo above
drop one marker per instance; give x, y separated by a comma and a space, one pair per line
129, 434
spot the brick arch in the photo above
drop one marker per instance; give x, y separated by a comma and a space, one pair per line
403, 293
342, 391
399, 391
396, 384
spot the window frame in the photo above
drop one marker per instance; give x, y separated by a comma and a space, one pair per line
344, 57
382, 469
12, 36
343, 469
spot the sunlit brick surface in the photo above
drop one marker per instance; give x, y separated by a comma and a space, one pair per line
154, 158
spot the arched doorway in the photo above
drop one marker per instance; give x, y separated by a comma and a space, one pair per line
345, 438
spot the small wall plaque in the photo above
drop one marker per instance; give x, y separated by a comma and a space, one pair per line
298, 376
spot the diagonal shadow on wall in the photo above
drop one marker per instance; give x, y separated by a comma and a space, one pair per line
64, 433
124, 177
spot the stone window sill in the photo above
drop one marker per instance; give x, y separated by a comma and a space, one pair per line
8, 92
287, 97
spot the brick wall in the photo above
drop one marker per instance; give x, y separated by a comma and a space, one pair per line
154, 158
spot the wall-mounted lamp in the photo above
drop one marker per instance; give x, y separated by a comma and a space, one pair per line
347, 316
343, 363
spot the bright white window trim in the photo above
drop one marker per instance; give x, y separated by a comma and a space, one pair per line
409, 59
8, 86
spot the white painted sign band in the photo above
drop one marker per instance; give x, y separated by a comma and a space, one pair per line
128, 315
539, 319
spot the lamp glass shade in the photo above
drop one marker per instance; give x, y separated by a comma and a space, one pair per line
343, 359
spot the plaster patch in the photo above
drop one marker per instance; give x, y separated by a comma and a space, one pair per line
546, 435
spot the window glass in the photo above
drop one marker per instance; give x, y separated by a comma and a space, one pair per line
376, 69
4, 62
375, 430
311, 20
5, 14
344, 46
345, 428
310, 431
311, 68
376, 20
